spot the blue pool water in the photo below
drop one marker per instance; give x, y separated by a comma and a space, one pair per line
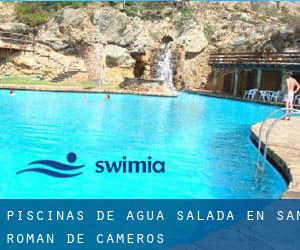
204, 142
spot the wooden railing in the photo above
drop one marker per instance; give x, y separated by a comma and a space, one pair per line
255, 58
16, 41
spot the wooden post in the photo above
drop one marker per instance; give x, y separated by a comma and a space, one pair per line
258, 78
283, 80
236, 81
214, 83
33, 44
10, 42
231, 83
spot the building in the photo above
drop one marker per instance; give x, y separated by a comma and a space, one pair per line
234, 73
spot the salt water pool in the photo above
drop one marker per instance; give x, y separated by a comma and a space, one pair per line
203, 141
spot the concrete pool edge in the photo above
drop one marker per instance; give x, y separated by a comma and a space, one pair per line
74, 89
282, 157
234, 98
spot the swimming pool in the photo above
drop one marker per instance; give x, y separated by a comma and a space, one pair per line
204, 142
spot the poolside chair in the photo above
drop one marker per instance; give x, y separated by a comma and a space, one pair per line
253, 94
250, 94
246, 94
297, 99
275, 96
263, 95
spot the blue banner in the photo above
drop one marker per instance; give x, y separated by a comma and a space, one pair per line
149, 224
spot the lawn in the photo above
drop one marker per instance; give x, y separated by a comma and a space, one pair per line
21, 81
37, 82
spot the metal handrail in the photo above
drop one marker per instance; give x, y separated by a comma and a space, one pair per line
269, 131
292, 112
17, 41
25, 41
14, 33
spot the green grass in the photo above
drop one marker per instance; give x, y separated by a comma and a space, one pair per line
38, 13
35, 82
132, 12
32, 14
21, 80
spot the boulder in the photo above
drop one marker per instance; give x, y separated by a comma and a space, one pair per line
194, 69
25, 61
76, 27
111, 23
73, 17
118, 56
14, 27
136, 36
192, 38
52, 40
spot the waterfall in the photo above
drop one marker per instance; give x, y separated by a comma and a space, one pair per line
165, 71
100, 59
94, 57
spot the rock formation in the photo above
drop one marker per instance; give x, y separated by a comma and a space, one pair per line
131, 41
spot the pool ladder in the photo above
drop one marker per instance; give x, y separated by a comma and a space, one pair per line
260, 164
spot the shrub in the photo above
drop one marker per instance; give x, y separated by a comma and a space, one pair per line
284, 10
32, 14
187, 13
290, 19
132, 12
38, 13
208, 31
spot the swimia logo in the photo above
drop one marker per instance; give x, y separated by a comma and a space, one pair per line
55, 168
61, 170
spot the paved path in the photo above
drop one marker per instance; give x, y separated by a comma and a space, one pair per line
284, 151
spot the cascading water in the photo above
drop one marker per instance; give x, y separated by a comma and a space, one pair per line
100, 66
165, 71
94, 57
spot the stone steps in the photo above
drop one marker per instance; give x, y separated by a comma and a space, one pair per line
65, 75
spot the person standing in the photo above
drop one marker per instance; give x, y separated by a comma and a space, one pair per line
203, 83
292, 88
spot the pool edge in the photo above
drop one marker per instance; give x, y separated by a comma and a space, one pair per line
281, 164
234, 98
61, 89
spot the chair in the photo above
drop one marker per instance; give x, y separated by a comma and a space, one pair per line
253, 94
250, 94
264, 95
297, 99
246, 94
275, 96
